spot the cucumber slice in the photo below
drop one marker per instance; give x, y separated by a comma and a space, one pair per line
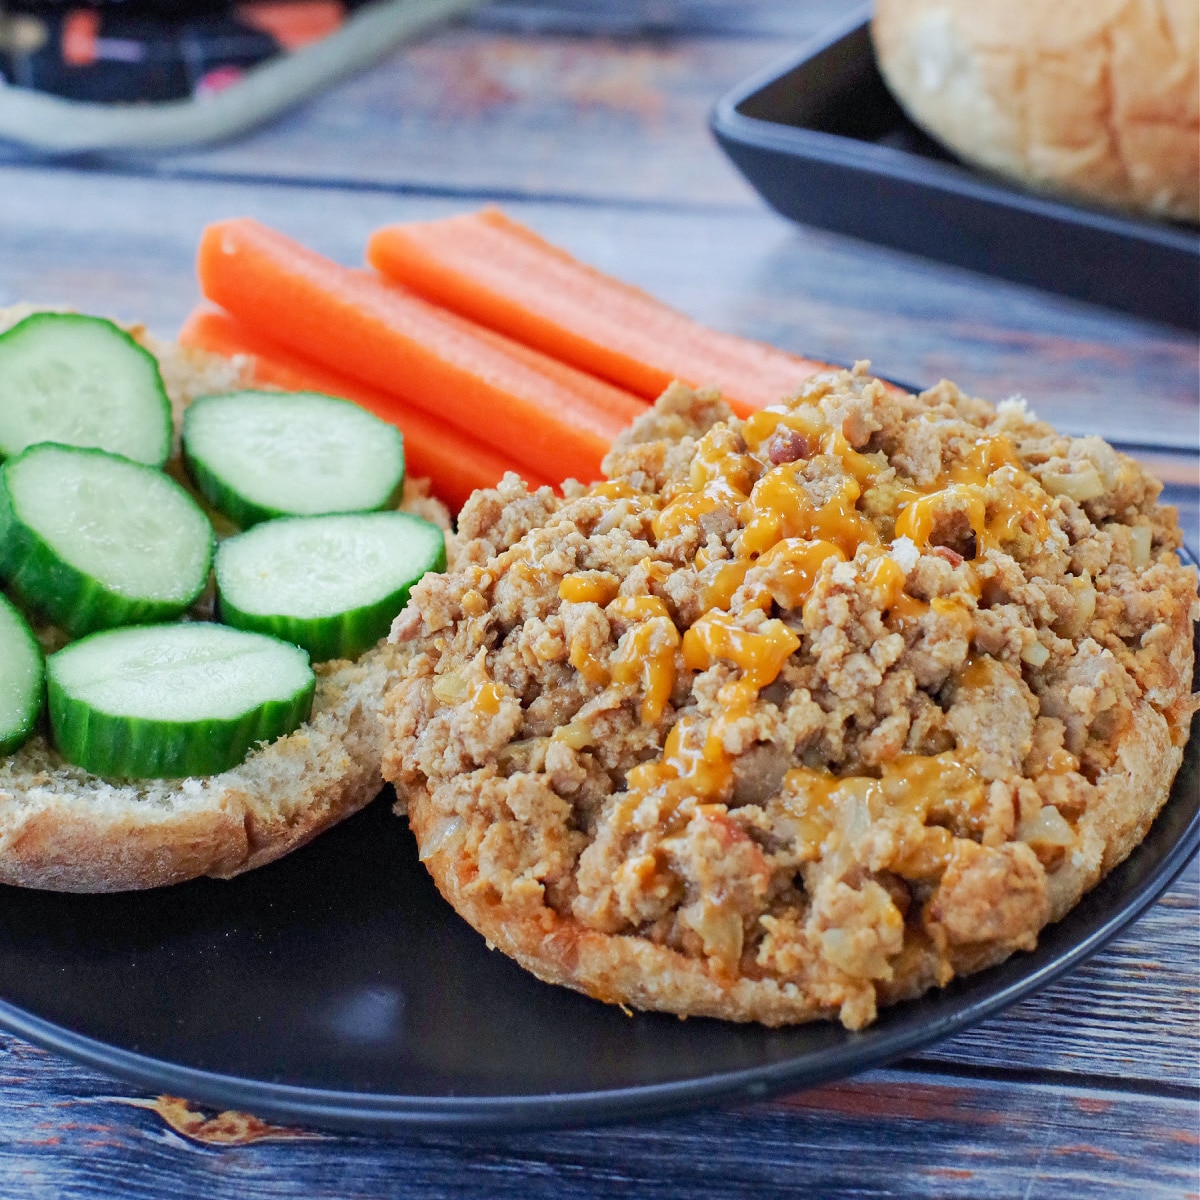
22, 678
258, 455
165, 701
330, 584
91, 540
81, 381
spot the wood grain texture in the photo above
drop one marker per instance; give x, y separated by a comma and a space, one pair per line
471, 112
619, 117
640, 18
124, 245
1129, 1013
71, 1132
600, 142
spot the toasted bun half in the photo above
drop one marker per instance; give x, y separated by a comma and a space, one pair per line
1094, 99
607, 783
635, 971
66, 830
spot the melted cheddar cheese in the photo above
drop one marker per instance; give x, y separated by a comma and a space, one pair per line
787, 540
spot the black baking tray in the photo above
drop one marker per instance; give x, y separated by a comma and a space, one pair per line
824, 143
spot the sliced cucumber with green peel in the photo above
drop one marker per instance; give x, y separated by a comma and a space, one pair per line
22, 678
259, 455
167, 701
81, 381
91, 540
330, 584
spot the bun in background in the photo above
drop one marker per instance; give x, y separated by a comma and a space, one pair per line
1093, 99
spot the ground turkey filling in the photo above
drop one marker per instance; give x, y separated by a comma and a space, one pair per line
819, 697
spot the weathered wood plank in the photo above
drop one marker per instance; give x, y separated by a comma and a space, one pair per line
468, 111
124, 245
625, 18
67, 1132
1130, 1012
482, 110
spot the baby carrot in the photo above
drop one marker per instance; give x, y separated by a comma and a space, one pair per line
455, 464
491, 269
557, 425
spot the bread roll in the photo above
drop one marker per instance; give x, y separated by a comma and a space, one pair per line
64, 830
1093, 99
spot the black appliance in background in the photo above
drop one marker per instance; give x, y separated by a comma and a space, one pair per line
126, 51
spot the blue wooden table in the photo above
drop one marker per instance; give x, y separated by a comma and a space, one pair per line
588, 121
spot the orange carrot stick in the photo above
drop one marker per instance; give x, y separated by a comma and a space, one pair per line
382, 335
492, 269
456, 464
596, 390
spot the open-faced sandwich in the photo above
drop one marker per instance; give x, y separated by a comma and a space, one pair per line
801, 711
800, 714
156, 729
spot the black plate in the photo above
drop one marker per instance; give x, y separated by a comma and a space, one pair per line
823, 141
337, 988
